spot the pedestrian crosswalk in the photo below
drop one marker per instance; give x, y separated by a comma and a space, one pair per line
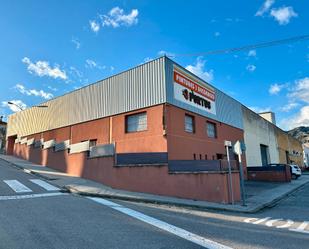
44, 185
19, 187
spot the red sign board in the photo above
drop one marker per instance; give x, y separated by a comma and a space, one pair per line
188, 83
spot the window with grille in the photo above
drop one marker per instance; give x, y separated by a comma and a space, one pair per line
189, 123
136, 122
211, 130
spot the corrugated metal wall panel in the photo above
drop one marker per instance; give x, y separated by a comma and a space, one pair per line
228, 110
136, 88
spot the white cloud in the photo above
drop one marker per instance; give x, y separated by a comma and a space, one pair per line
163, 52
276, 88
116, 18
198, 69
251, 68
260, 109
92, 64
42, 68
76, 43
300, 91
76, 72
95, 26
264, 8
16, 107
52, 88
288, 107
33, 92
252, 53
299, 119
283, 15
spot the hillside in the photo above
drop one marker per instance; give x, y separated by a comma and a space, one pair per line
301, 133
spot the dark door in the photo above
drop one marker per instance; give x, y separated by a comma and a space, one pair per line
264, 154
287, 157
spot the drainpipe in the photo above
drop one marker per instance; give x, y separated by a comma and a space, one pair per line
110, 130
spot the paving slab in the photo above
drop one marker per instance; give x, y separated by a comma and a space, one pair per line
259, 194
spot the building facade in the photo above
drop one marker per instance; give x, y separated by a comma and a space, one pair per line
3, 126
306, 155
156, 128
266, 143
260, 139
290, 149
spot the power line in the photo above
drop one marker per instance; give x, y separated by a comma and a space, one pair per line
247, 47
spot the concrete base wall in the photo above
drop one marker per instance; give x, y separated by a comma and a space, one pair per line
148, 179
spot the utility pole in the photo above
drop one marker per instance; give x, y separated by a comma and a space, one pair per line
227, 145
238, 148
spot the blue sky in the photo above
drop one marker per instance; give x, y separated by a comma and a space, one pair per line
52, 47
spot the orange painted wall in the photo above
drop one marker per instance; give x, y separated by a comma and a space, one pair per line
96, 129
59, 135
151, 140
182, 145
149, 179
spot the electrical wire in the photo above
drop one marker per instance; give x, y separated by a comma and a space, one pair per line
247, 47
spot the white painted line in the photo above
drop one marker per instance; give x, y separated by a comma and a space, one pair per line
17, 186
20, 197
261, 220
286, 224
301, 228
44, 185
162, 225
271, 222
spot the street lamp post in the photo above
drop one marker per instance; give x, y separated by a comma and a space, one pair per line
18, 106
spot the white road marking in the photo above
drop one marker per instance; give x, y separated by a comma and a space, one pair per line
44, 185
286, 224
162, 225
271, 222
301, 228
261, 220
250, 220
20, 197
17, 186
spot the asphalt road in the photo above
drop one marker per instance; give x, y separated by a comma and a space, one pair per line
44, 218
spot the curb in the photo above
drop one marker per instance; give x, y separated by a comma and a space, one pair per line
279, 198
252, 210
151, 201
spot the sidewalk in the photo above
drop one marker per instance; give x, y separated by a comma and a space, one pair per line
259, 194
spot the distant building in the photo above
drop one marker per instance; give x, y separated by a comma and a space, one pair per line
3, 126
266, 143
306, 155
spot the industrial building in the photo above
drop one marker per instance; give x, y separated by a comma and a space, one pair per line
156, 128
266, 143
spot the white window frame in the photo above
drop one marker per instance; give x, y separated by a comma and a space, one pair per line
189, 126
211, 133
136, 122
